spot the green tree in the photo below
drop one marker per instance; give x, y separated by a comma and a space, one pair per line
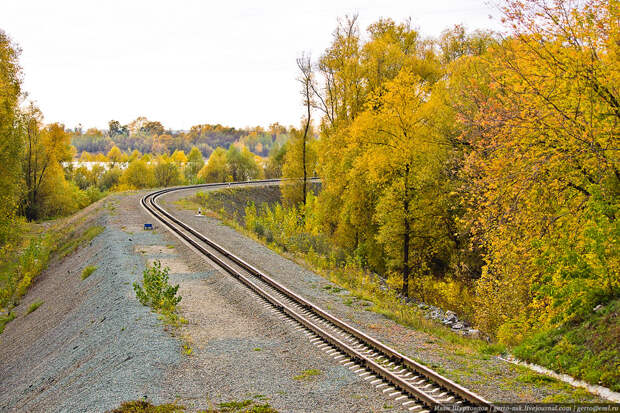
241, 164
215, 170
275, 161
194, 164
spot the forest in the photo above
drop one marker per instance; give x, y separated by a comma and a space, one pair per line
477, 171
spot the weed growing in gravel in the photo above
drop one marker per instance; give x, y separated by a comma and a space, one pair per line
34, 306
86, 272
143, 406
308, 374
158, 294
4, 320
244, 406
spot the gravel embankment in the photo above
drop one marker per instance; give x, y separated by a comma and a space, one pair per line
90, 345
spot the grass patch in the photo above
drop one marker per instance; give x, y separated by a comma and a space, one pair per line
587, 349
308, 374
72, 244
86, 272
4, 320
143, 406
21, 263
34, 306
255, 405
535, 378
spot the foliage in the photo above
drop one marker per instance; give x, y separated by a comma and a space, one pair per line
88, 270
215, 169
275, 161
155, 291
194, 164
5, 319
544, 178
11, 141
46, 147
229, 166
166, 173
21, 265
138, 175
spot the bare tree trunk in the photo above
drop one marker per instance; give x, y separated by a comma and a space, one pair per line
406, 227
305, 66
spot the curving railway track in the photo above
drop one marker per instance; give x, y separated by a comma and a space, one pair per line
416, 387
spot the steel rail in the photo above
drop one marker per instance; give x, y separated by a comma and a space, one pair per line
149, 202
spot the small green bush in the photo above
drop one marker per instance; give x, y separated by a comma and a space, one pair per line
86, 272
34, 306
156, 292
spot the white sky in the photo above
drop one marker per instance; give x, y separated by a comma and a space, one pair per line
186, 62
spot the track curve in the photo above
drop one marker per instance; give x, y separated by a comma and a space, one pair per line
417, 387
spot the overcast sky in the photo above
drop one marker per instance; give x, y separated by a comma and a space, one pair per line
186, 62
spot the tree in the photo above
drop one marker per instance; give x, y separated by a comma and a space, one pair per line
402, 158
11, 140
300, 161
115, 155
167, 173
115, 128
138, 175
306, 79
241, 165
45, 149
275, 161
544, 168
215, 170
194, 164
179, 157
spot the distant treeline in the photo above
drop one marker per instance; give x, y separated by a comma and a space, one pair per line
148, 136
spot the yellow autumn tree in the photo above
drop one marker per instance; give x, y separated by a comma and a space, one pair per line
544, 167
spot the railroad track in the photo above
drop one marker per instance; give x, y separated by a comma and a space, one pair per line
402, 379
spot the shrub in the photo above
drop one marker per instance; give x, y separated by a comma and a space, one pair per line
156, 291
